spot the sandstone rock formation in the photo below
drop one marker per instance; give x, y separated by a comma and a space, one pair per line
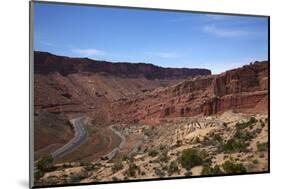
241, 89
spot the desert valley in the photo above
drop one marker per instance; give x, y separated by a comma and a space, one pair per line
98, 121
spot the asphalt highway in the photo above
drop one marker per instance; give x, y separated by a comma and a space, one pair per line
79, 137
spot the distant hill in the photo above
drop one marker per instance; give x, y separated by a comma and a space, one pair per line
46, 63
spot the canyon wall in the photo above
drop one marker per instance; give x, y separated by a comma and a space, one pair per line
241, 89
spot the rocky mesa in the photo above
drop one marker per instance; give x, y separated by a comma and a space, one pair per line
46, 63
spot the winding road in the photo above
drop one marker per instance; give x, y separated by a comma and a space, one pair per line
79, 137
112, 154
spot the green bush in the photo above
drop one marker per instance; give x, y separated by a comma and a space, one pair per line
114, 178
234, 145
75, 178
173, 168
148, 132
211, 170
133, 168
117, 166
90, 167
252, 120
262, 146
244, 135
45, 163
38, 174
164, 156
179, 143
159, 172
255, 161
233, 168
153, 153
190, 158
244, 125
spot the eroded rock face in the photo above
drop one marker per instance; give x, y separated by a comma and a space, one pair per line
240, 89
46, 63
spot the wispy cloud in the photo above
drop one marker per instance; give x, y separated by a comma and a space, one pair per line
216, 17
224, 32
165, 54
89, 52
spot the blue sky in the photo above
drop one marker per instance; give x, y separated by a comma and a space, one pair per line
167, 39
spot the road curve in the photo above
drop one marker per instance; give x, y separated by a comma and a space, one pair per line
112, 154
121, 144
79, 137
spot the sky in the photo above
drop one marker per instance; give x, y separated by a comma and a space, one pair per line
164, 38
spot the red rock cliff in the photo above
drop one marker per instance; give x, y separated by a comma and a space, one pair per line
245, 88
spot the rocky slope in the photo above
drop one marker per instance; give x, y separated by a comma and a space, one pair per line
66, 86
242, 89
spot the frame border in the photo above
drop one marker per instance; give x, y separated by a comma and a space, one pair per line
31, 92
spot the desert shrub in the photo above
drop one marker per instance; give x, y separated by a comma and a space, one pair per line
255, 161
244, 125
234, 145
208, 170
84, 163
49, 181
132, 170
153, 153
148, 132
90, 167
162, 147
114, 178
45, 163
197, 140
173, 168
252, 120
188, 173
262, 146
164, 156
124, 157
217, 137
38, 174
159, 172
179, 143
233, 168
261, 155
244, 135
165, 168
191, 157
117, 166
66, 165
213, 140
77, 177
224, 124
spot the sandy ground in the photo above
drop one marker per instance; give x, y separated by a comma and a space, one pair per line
172, 139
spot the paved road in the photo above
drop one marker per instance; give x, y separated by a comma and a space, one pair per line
79, 137
121, 144
112, 154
